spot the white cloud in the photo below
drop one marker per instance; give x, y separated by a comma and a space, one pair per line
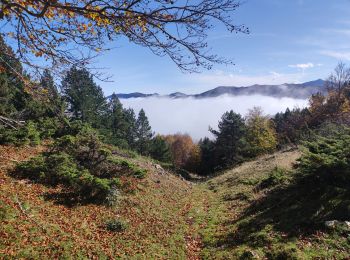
194, 116
221, 78
340, 55
303, 66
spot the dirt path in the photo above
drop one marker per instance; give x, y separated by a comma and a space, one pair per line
166, 214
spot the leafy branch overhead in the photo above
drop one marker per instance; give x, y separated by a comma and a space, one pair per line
72, 32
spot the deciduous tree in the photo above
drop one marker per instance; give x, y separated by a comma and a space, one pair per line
261, 134
65, 32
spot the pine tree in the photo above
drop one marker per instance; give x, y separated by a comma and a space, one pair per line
118, 124
230, 144
56, 104
207, 148
160, 150
143, 133
130, 134
85, 99
12, 96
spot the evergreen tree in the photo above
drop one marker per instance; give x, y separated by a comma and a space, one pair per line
56, 104
292, 126
118, 124
143, 133
85, 99
5, 96
130, 135
230, 144
160, 150
207, 148
12, 95
47, 82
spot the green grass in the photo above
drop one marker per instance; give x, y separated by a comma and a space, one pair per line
254, 211
262, 210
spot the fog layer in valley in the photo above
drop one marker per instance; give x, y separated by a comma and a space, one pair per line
194, 116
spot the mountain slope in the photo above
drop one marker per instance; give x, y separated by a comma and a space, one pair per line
302, 91
244, 213
259, 212
35, 224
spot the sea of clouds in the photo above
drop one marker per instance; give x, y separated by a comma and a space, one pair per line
194, 116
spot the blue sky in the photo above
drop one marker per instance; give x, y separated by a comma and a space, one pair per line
290, 41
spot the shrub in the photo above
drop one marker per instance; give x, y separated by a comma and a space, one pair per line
140, 173
35, 168
328, 158
128, 167
116, 225
26, 135
83, 165
49, 127
276, 177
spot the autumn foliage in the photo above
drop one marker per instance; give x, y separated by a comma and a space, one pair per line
184, 152
261, 134
55, 30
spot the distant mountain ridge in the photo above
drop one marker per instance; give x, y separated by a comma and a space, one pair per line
301, 91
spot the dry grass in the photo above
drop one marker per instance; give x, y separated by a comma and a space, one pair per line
167, 218
156, 212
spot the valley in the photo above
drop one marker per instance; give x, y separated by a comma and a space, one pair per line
167, 217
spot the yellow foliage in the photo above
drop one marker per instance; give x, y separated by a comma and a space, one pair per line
261, 132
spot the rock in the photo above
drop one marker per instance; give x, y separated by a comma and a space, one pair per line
158, 167
347, 223
342, 225
332, 223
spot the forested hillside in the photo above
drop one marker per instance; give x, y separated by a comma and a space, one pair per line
83, 177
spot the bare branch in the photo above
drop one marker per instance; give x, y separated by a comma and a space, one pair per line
60, 32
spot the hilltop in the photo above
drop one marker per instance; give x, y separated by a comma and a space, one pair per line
292, 90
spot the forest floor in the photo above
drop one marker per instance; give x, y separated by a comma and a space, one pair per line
167, 218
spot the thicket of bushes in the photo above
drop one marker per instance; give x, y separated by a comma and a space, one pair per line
26, 135
327, 157
82, 164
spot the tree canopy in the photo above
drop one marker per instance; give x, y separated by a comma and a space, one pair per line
66, 33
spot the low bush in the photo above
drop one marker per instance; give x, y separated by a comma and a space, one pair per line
82, 164
328, 158
276, 177
116, 225
26, 135
49, 127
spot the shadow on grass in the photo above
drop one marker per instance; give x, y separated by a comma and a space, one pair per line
298, 209
59, 195
70, 199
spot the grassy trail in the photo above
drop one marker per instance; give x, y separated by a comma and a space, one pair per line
164, 218
226, 217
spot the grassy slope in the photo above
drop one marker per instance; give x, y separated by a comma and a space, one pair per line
157, 214
246, 222
226, 217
